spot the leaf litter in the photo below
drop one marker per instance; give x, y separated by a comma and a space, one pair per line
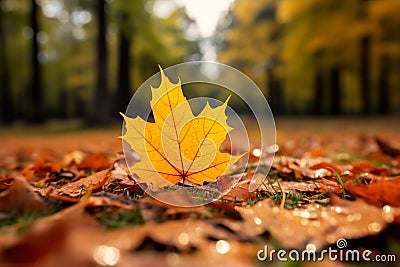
54, 209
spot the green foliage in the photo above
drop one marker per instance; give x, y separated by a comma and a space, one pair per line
339, 178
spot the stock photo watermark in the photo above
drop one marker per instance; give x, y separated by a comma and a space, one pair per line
340, 253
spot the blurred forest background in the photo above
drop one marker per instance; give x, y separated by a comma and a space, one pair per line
83, 59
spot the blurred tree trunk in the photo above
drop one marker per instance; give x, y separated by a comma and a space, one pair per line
365, 47
35, 107
318, 93
365, 60
124, 82
275, 90
99, 113
280, 109
335, 90
383, 85
5, 101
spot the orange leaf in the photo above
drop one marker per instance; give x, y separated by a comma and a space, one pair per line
360, 167
179, 146
41, 166
28, 173
381, 192
314, 153
94, 162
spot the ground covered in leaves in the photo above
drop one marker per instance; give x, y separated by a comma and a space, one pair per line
66, 199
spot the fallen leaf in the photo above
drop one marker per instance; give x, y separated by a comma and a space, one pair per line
314, 224
367, 167
94, 162
41, 166
105, 199
57, 234
28, 173
20, 197
387, 148
241, 192
35, 244
315, 168
75, 156
100, 201
184, 234
6, 181
82, 185
381, 192
178, 146
314, 153
303, 186
326, 165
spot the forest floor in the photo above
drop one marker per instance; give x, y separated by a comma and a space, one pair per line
66, 199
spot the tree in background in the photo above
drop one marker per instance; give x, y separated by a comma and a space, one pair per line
124, 78
35, 87
383, 16
268, 13
144, 42
328, 56
133, 23
252, 43
5, 104
99, 112
317, 51
67, 77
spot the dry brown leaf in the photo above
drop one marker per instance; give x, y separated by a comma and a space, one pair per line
20, 197
326, 165
98, 201
48, 237
81, 186
121, 181
183, 234
6, 180
387, 148
201, 242
74, 157
36, 243
240, 254
154, 210
318, 225
314, 168
94, 201
303, 186
241, 191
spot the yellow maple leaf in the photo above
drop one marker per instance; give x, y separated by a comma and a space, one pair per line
178, 146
